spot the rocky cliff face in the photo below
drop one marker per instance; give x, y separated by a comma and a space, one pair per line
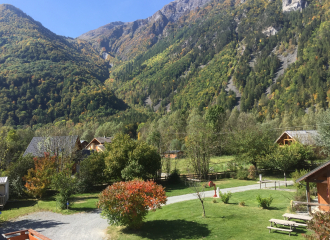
293, 5
121, 39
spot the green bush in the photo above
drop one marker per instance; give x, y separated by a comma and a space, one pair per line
252, 172
242, 204
174, 177
66, 186
264, 202
242, 173
225, 197
233, 175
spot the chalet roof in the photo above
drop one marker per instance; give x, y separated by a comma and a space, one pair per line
103, 140
3, 180
57, 144
100, 140
305, 137
313, 171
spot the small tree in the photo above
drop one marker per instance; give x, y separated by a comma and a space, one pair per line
127, 203
39, 178
65, 185
198, 188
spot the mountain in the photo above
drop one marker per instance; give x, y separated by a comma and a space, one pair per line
44, 77
126, 40
270, 57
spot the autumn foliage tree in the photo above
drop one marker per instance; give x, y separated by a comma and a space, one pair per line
38, 178
320, 224
127, 203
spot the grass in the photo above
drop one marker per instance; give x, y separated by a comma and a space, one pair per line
223, 221
218, 164
81, 203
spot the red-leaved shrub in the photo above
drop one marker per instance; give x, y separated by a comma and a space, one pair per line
320, 224
127, 203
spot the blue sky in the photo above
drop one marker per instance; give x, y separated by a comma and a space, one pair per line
72, 18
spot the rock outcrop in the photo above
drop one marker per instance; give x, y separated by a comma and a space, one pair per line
121, 38
293, 5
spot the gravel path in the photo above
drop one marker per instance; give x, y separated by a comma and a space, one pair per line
191, 196
58, 227
88, 225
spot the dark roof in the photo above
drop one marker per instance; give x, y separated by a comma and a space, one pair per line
305, 137
58, 144
313, 171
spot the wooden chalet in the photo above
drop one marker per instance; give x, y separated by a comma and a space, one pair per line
308, 137
173, 154
321, 176
97, 144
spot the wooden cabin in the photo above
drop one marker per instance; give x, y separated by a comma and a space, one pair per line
321, 176
173, 154
308, 137
97, 144
4, 191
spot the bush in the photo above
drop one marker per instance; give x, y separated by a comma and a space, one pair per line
66, 186
127, 203
252, 172
232, 166
242, 173
214, 200
233, 175
264, 202
174, 177
320, 224
242, 204
225, 197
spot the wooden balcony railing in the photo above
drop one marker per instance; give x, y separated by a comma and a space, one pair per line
24, 234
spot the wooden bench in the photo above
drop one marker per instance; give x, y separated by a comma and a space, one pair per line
297, 216
284, 223
280, 229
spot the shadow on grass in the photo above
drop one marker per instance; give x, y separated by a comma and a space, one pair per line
171, 229
19, 204
170, 187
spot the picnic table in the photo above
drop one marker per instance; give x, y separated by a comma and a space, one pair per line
284, 223
289, 216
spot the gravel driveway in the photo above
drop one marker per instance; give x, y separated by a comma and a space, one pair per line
58, 227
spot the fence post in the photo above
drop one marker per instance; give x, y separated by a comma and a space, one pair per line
275, 185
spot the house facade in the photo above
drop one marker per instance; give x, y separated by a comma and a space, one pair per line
308, 137
97, 144
320, 176
173, 154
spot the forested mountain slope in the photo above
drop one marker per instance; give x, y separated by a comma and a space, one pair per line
247, 43
44, 77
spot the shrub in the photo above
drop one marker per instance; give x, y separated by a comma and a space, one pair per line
174, 177
320, 224
232, 166
65, 185
127, 203
214, 200
225, 197
242, 204
242, 173
233, 175
252, 172
264, 202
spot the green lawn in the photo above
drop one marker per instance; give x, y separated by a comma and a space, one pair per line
182, 188
223, 221
219, 164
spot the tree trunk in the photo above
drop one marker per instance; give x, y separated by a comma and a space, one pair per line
203, 208
285, 180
